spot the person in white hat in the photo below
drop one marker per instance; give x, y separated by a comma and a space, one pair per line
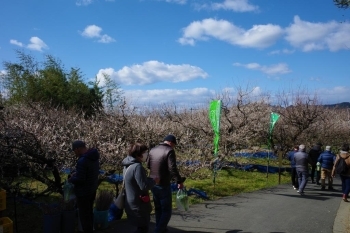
301, 160
326, 159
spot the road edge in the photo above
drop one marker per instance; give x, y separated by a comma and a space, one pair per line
342, 220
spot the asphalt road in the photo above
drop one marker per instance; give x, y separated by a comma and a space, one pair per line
275, 210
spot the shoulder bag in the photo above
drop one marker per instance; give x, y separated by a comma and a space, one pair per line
120, 200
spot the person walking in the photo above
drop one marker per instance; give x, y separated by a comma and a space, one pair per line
294, 175
137, 185
345, 177
326, 160
301, 164
314, 153
162, 164
85, 180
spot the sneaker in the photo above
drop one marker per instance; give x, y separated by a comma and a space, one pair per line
301, 193
331, 188
294, 187
323, 188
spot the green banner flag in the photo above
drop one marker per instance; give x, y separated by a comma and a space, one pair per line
214, 116
273, 119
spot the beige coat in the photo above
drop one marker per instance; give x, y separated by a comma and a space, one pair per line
347, 160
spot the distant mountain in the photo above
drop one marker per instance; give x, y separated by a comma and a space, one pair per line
339, 105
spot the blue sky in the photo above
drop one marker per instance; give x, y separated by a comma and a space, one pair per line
188, 51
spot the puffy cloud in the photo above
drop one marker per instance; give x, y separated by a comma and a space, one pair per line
283, 51
83, 2
15, 42
259, 36
93, 31
333, 95
275, 69
153, 71
37, 44
233, 5
182, 2
331, 35
186, 97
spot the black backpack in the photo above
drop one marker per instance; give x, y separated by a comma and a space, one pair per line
341, 167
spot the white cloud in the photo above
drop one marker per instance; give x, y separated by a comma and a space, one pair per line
83, 2
106, 39
233, 5
259, 36
15, 42
93, 31
88, 2
186, 97
275, 69
318, 36
37, 44
182, 2
316, 79
283, 51
153, 71
3, 72
333, 95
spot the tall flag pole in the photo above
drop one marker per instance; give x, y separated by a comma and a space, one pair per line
214, 116
273, 119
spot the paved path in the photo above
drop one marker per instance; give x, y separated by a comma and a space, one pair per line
275, 210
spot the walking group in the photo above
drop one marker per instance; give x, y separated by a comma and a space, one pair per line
324, 165
161, 162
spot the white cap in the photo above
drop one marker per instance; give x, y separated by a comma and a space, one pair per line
328, 148
301, 147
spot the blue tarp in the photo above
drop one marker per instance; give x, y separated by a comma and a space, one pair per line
260, 154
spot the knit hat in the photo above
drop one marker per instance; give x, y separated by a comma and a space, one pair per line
301, 147
328, 148
170, 138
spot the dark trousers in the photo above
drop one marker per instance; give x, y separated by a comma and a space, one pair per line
345, 184
86, 215
142, 230
312, 175
162, 199
295, 181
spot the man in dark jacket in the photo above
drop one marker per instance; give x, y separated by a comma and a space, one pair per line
85, 180
301, 164
326, 160
314, 153
162, 164
294, 176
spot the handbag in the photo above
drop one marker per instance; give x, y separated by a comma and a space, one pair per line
120, 200
182, 199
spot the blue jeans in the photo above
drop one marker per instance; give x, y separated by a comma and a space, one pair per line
345, 184
162, 199
302, 178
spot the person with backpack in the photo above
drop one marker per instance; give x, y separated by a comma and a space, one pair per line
326, 161
341, 167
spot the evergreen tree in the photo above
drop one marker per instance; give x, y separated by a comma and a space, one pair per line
29, 81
